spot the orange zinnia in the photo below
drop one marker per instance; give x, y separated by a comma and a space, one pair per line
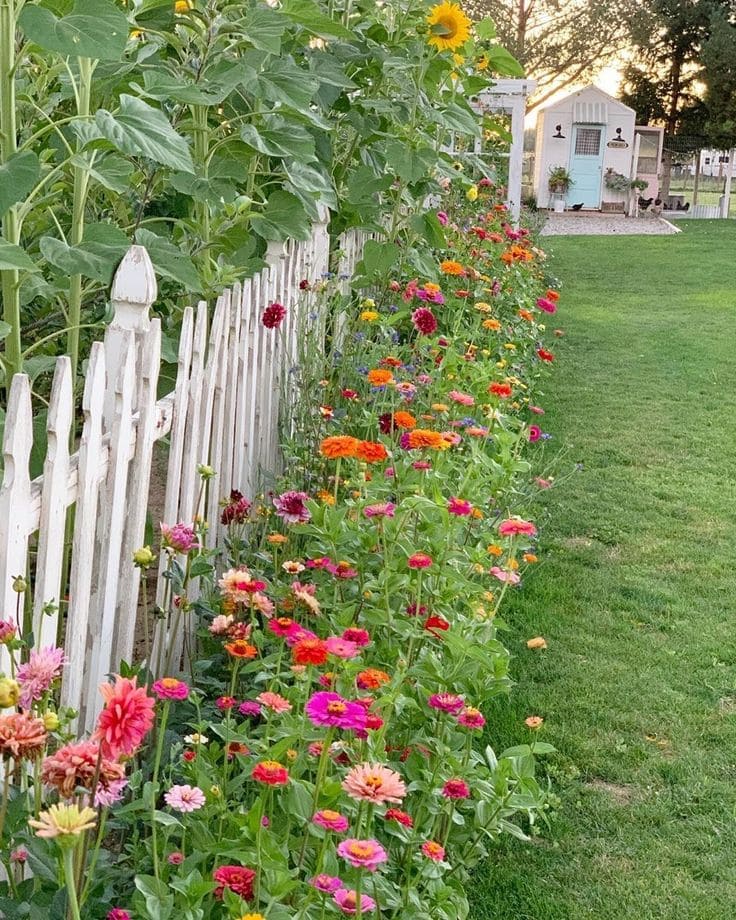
390, 361
371, 451
241, 649
339, 445
451, 267
554, 296
424, 437
404, 420
380, 378
491, 324
525, 314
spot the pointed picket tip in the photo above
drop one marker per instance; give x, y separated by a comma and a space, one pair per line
134, 289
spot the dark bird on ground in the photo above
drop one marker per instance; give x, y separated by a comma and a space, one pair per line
577, 207
645, 202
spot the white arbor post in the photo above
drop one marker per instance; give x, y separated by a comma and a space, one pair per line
726, 199
509, 97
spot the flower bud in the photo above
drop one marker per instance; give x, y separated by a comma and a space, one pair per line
144, 557
50, 721
20, 585
9, 692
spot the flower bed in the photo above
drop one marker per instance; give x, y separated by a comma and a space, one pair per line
315, 751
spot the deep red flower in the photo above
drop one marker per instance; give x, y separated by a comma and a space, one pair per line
545, 355
239, 879
273, 316
396, 814
424, 320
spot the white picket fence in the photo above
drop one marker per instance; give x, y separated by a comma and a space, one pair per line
223, 412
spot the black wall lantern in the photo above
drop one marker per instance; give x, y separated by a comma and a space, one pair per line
558, 129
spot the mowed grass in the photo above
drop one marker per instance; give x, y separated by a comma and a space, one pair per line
636, 595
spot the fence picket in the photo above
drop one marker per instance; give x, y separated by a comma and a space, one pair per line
88, 486
215, 448
52, 522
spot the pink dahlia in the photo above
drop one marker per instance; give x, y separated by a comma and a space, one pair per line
456, 789
331, 820
185, 798
126, 719
424, 320
179, 537
8, 631
459, 506
75, 765
447, 702
513, 526
362, 854
433, 851
274, 701
330, 709
326, 883
347, 901
38, 674
273, 316
290, 507
471, 717
169, 688
372, 782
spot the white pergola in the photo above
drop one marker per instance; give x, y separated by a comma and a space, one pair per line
509, 97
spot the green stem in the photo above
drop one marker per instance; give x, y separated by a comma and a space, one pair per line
359, 895
156, 766
11, 225
71, 888
81, 188
90, 874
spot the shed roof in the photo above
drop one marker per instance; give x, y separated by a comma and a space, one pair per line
590, 102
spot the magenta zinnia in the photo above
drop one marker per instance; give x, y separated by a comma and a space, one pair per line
362, 854
331, 710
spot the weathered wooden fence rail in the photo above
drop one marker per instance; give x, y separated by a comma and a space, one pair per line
223, 412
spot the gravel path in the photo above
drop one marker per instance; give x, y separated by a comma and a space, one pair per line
604, 224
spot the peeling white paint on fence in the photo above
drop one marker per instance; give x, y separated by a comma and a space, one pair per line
222, 412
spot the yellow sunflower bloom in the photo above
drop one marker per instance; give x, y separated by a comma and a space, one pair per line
449, 27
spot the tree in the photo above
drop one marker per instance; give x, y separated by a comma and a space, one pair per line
719, 70
561, 43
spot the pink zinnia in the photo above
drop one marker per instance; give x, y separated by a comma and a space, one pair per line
117, 913
330, 709
433, 850
274, 701
447, 702
419, 561
456, 789
424, 320
442, 218
38, 674
502, 575
535, 433
127, 717
290, 507
273, 316
360, 637
459, 506
362, 854
546, 305
464, 399
513, 526
185, 798
536, 410
381, 510
169, 688
471, 718
326, 883
347, 901
238, 879
331, 820
179, 537
543, 483
341, 648
372, 782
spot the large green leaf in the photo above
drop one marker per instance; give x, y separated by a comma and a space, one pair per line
12, 256
284, 217
140, 130
308, 14
289, 85
95, 29
17, 177
501, 61
169, 260
74, 260
379, 258
263, 27
279, 138
317, 184
111, 171
213, 191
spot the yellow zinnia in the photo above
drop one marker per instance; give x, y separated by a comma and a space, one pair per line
449, 27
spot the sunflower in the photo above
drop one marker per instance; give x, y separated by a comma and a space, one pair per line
449, 27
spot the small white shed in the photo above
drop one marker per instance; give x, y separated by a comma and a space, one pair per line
587, 133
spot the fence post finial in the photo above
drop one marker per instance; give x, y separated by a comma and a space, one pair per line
134, 290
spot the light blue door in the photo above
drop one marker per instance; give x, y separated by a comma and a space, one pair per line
586, 166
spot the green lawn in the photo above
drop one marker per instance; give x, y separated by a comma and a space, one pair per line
637, 593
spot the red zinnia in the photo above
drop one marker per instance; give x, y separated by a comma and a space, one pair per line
545, 355
239, 879
424, 320
273, 316
419, 561
502, 390
271, 773
396, 814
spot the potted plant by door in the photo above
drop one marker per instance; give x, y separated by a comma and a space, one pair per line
559, 183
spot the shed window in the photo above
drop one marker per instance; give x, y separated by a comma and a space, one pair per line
588, 142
